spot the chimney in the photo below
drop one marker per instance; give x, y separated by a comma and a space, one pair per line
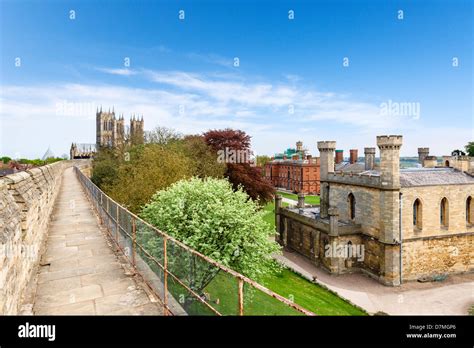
422, 153
369, 153
295, 157
353, 156
339, 156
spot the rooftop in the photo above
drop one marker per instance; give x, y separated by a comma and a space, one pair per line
433, 176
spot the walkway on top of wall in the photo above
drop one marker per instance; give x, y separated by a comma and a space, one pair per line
79, 272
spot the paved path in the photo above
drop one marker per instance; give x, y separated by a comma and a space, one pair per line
454, 296
289, 201
79, 272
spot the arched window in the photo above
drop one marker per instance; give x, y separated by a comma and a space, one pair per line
444, 212
352, 205
417, 213
469, 210
446, 163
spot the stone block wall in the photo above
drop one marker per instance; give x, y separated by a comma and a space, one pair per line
367, 207
437, 256
26, 202
430, 198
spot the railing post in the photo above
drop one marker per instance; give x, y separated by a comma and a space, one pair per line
165, 276
100, 209
107, 213
241, 296
134, 241
116, 222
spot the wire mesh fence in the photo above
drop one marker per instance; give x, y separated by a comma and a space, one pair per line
187, 282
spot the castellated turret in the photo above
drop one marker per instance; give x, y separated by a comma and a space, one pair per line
326, 160
389, 146
423, 152
299, 146
389, 200
326, 149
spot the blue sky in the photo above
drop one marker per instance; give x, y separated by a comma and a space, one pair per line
290, 85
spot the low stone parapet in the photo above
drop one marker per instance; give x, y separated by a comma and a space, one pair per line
26, 203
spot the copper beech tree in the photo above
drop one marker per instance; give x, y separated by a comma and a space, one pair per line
244, 174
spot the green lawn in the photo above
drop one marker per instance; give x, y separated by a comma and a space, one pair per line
313, 200
308, 199
222, 293
288, 195
270, 213
309, 295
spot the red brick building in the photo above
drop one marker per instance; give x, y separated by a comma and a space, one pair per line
294, 170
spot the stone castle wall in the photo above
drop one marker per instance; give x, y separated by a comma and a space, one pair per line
26, 202
367, 207
430, 197
429, 251
432, 256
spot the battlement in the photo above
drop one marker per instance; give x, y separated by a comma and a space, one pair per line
326, 146
424, 150
389, 141
369, 179
369, 150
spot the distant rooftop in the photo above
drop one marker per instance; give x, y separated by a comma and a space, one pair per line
82, 147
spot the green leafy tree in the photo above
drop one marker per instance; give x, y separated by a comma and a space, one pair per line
148, 168
5, 159
104, 168
262, 160
470, 148
202, 158
219, 222
162, 136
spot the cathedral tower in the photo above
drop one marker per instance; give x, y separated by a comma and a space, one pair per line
110, 131
136, 130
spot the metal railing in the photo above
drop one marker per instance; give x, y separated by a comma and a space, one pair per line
186, 282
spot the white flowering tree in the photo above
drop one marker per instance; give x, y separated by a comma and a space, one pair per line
212, 218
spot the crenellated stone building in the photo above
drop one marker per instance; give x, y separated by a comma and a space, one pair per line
393, 224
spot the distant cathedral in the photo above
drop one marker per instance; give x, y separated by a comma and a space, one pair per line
111, 132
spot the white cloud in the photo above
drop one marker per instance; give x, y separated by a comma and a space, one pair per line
213, 59
274, 114
121, 72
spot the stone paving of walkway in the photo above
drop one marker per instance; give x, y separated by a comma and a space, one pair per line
79, 272
453, 296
